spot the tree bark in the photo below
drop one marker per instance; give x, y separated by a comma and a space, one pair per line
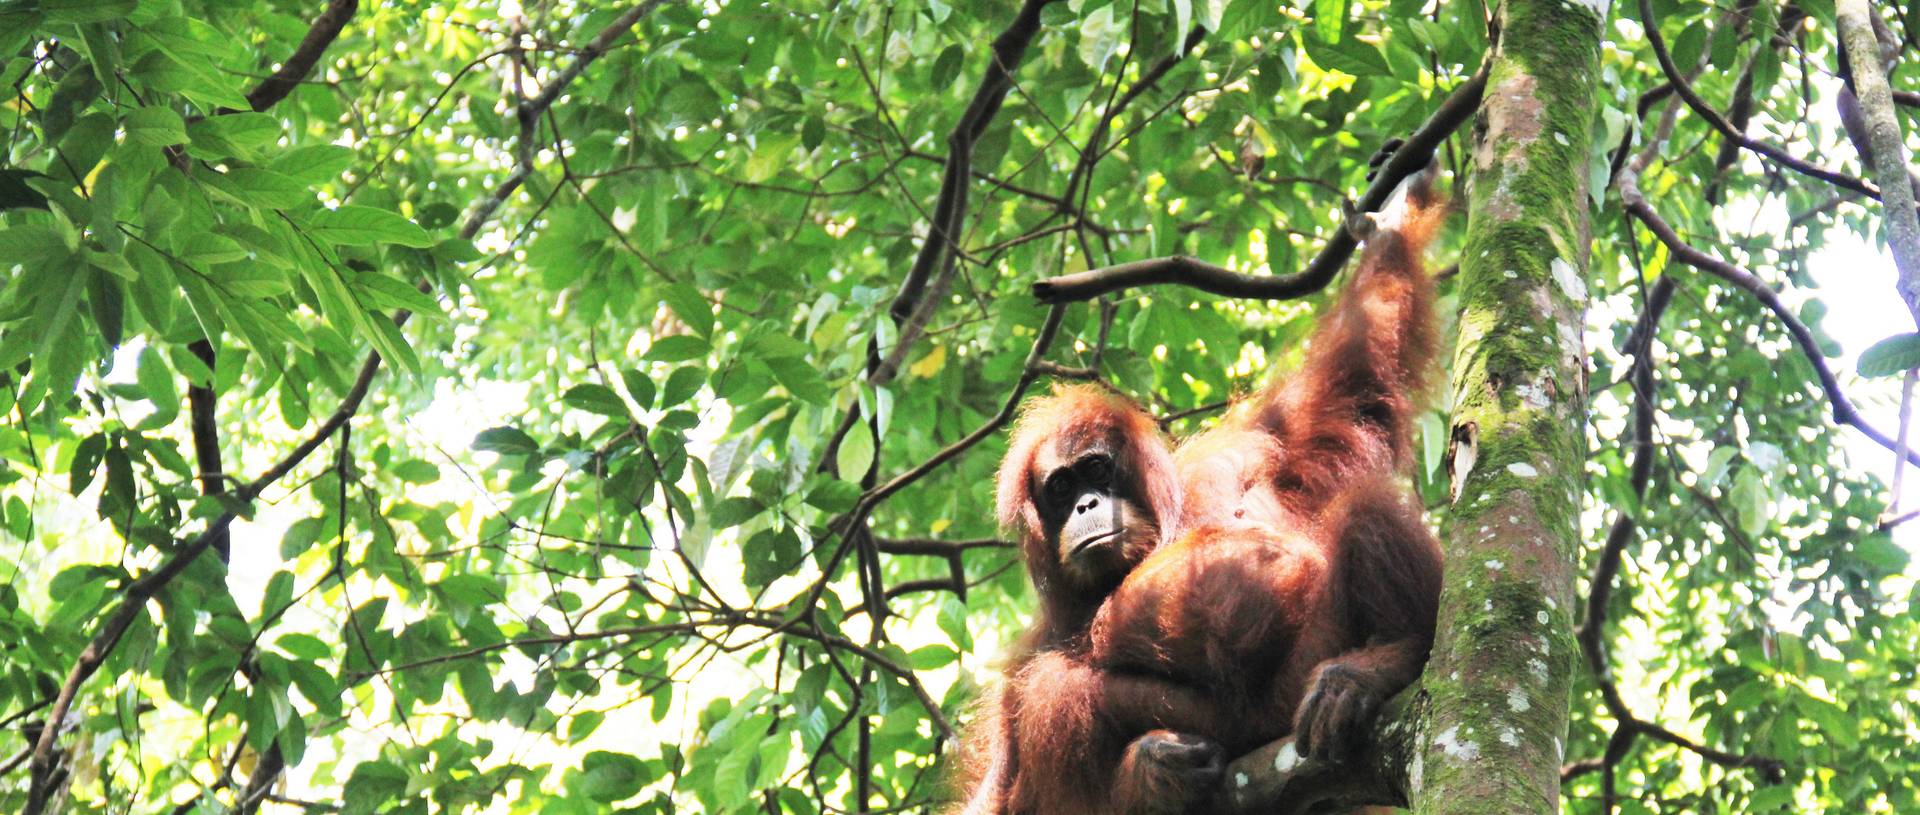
1500, 681
1887, 153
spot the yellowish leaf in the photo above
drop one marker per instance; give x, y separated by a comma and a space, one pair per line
930, 364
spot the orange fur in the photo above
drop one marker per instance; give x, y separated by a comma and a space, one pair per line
1295, 590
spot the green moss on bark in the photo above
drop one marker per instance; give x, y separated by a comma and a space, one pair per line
1501, 675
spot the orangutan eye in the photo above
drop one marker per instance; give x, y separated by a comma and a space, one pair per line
1059, 488
1097, 470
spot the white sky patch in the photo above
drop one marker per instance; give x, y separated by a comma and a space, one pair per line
1600, 8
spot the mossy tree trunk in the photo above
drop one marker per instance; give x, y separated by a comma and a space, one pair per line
1500, 680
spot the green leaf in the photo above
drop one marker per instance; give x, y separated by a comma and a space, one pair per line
691, 306
32, 245
314, 163
380, 291
156, 382
681, 385
1833, 720
1099, 38
279, 594
371, 785
856, 455
155, 127
677, 348
263, 189
472, 590
202, 250
609, 777
639, 387
834, 496
85, 463
354, 225
506, 441
1351, 56
946, 68
78, 12
952, 619
929, 657
1750, 502
415, 471
598, 399
300, 536
1894, 355
1330, 18
241, 135
1879, 551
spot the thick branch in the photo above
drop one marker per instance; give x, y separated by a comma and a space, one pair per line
1843, 410
1410, 158
950, 209
326, 28
1889, 152
1275, 780
931, 275
203, 424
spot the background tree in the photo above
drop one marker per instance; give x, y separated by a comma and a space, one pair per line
674, 495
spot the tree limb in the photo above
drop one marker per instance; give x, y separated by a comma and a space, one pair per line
1275, 780
326, 28
1844, 411
1651, 24
1410, 158
1888, 148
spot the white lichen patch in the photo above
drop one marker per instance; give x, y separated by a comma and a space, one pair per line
1562, 139
1287, 759
1416, 773
1551, 604
1495, 565
1523, 469
1538, 668
1533, 395
1569, 279
1239, 779
1518, 702
1450, 743
1509, 737
1542, 617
